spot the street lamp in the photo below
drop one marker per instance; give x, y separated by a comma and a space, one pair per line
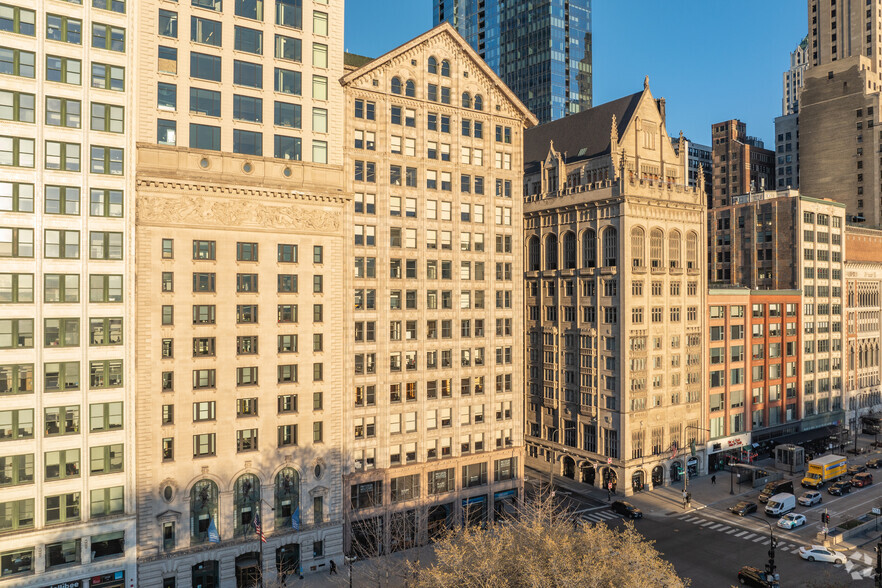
731, 477
771, 576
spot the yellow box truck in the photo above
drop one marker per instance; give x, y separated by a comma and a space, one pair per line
824, 469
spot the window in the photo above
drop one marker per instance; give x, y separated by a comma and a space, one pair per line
17, 152
287, 115
17, 514
107, 203
16, 288
204, 137
288, 48
16, 197
108, 77
109, 37
105, 245
247, 142
106, 160
246, 440
168, 24
203, 282
107, 118
207, 32
62, 200
20, 21
247, 74
205, 67
287, 81
64, 29
63, 508
319, 55
248, 40
167, 96
105, 331
319, 151
252, 9
107, 416
62, 112
17, 106
62, 156
289, 13
60, 465
107, 459
16, 62
106, 502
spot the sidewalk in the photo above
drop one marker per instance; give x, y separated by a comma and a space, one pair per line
382, 572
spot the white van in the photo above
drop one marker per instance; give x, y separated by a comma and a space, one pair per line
780, 504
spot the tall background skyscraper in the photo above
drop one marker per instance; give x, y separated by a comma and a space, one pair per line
540, 48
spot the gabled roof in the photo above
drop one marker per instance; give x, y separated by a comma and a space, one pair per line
445, 28
581, 136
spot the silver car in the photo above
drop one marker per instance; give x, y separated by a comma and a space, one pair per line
810, 498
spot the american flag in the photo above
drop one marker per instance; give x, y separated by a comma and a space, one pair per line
257, 528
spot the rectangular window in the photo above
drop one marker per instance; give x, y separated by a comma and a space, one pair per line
16, 197
107, 501
17, 106
60, 465
62, 156
247, 142
248, 40
167, 60
105, 245
168, 24
107, 118
248, 74
287, 115
16, 62
106, 160
109, 37
204, 137
20, 21
108, 77
288, 147
63, 69
17, 152
289, 13
207, 32
62, 112
204, 445
16, 288
288, 48
287, 81
108, 203
205, 67
16, 514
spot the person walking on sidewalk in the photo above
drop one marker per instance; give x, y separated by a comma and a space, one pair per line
333, 568
714, 480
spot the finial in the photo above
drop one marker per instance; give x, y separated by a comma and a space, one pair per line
646, 83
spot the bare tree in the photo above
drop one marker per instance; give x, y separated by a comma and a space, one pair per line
546, 547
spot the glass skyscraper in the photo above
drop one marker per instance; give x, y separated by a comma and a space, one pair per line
540, 48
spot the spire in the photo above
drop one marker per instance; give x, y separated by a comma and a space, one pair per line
646, 83
614, 134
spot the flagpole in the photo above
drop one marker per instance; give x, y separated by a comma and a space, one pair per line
260, 540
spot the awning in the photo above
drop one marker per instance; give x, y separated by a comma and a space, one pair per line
804, 436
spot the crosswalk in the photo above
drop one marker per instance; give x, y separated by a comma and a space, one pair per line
760, 537
598, 515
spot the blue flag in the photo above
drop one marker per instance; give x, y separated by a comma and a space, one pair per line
295, 519
213, 535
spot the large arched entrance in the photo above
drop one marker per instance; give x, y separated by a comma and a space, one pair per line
248, 570
609, 479
589, 474
676, 471
658, 476
637, 481
569, 467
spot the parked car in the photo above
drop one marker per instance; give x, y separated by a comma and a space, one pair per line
791, 521
810, 498
776, 487
840, 488
874, 463
627, 509
821, 553
861, 480
855, 469
743, 508
750, 576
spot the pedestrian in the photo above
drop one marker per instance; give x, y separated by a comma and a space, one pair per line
608, 495
714, 480
333, 567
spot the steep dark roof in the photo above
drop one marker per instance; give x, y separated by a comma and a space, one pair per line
580, 136
355, 60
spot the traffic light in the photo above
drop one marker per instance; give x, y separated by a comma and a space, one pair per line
774, 543
823, 518
692, 447
827, 518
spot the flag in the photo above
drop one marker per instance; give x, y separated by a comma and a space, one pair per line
295, 519
257, 528
213, 535
673, 450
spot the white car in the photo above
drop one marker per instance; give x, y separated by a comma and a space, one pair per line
810, 498
821, 553
791, 521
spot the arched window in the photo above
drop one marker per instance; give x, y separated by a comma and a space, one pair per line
589, 248
445, 68
674, 249
433, 65
692, 251
205, 574
569, 250
656, 249
246, 498
396, 85
533, 254
610, 246
410, 89
479, 102
466, 100
288, 499
551, 252
638, 247
203, 510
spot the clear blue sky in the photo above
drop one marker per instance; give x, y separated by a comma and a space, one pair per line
711, 59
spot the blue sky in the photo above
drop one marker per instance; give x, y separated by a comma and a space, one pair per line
711, 59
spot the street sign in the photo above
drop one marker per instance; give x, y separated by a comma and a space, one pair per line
609, 460
876, 511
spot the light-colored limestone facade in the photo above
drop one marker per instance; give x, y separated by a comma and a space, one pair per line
240, 242
433, 419
863, 331
794, 78
615, 298
67, 472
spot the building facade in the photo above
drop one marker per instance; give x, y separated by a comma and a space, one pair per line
240, 228
741, 164
773, 241
700, 161
840, 108
540, 49
863, 283
754, 356
433, 419
615, 298
794, 78
787, 151
66, 330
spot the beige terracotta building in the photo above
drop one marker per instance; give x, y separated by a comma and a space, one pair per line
240, 255
615, 298
67, 472
433, 416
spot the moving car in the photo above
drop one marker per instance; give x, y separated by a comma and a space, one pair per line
791, 521
856, 469
840, 488
776, 487
821, 553
874, 463
627, 509
781, 504
861, 480
810, 498
824, 469
750, 576
743, 508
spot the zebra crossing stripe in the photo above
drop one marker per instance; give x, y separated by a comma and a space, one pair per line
760, 538
707, 523
741, 533
748, 537
732, 531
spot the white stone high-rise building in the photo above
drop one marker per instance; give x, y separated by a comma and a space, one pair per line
66, 294
794, 78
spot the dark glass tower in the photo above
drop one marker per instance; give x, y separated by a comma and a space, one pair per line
540, 48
